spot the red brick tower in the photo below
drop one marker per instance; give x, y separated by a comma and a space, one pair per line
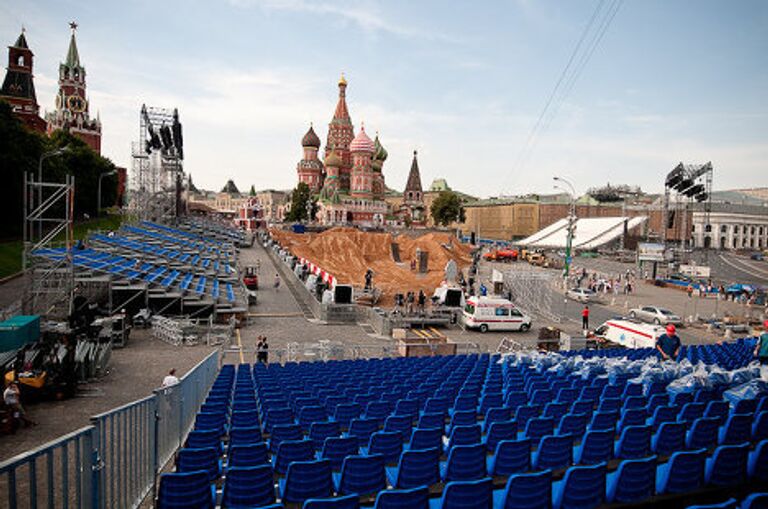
19, 86
362, 149
340, 135
71, 112
310, 169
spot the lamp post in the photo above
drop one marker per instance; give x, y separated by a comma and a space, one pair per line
98, 195
43, 157
571, 225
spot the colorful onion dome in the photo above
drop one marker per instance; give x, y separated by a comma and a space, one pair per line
310, 139
362, 143
333, 160
380, 153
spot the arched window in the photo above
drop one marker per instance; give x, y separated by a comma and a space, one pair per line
708, 228
20, 61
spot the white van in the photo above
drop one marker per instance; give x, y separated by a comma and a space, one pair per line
629, 334
486, 313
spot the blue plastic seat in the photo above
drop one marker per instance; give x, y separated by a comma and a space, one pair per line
728, 465
465, 435
758, 462
490, 400
345, 412
525, 413
496, 414
206, 458
465, 495
755, 501
211, 421
305, 480
745, 406
702, 434
681, 398
634, 442
582, 486
427, 438
632, 417
465, 463
319, 431
539, 427
201, 438
609, 405
363, 429
684, 472
414, 498
554, 452
567, 395
596, 447
251, 455
278, 417
719, 410
573, 424
656, 400
248, 486
283, 433
662, 414
501, 430
760, 426
604, 420
344, 502
362, 475
515, 399
582, 406
737, 429
510, 457
387, 443
407, 407
311, 414
416, 468
556, 410
400, 423
463, 418
669, 438
336, 449
291, 451
180, 490
431, 420
244, 418
437, 405
731, 503
378, 411
691, 411
634, 481
525, 491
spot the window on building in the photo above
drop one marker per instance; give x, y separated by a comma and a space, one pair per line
708, 228
735, 228
752, 230
20, 61
723, 228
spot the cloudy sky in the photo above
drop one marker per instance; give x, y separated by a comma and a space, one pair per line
496, 96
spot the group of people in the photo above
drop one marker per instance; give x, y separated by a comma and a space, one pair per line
404, 304
598, 283
668, 345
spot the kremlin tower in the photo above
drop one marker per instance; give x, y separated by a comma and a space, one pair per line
19, 86
349, 183
72, 106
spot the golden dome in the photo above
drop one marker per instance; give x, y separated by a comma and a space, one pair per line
342, 81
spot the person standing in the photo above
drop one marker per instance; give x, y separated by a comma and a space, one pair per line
12, 399
277, 282
422, 301
262, 350
585, 317
761, 347
409, 298
170, 379
668, 344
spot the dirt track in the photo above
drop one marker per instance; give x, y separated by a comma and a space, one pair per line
347, 253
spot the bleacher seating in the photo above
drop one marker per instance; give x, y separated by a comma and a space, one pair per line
419, 432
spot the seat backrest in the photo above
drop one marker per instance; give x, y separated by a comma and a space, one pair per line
245, 418
426, 438
528, 491
609, 404
604, 420
760, 426
555, 452
583, 406
247, 455
573, 424
465, 435
345, 412
567, 395
290, 451
703, 433
669, 438
745, 406
718, 409
515, 399
408, 407
583, 486
596, 446
199, 438
496, 414
758, 462
343, 502
737, 429
511, 457
538, 427
431, 420
681, 398
205, 458
362, 475
185, 489
418, 468
319, 431
500, 430
400, 423
249, 486
464, 418
465, 463
436, 405
363, 428
728, 465
755, 501
282, 433
634, 481
635, 442
632, 417
244, 435
663, 413
634, 402
468, 495
555, 410
308, 479
415, 498
387, 443
335, 449
691, 411
683, 472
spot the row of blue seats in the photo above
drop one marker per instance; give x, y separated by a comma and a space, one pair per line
584, 486
211, 230
149, 233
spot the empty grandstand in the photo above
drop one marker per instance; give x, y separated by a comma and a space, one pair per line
589, 233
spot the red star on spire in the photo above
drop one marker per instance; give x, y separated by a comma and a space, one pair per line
73, 25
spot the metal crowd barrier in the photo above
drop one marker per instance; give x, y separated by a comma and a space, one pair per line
114, 462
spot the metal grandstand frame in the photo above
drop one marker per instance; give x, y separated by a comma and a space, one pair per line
48, 209
533, 291
157, 171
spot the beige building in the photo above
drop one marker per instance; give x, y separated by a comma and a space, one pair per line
501, 219
274, 204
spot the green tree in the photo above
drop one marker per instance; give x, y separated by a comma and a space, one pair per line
447, 208
299, 199
252, 192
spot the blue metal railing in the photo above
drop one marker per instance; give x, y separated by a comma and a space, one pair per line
114, 462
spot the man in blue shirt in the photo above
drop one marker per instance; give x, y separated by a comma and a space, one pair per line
761, 348
668, 344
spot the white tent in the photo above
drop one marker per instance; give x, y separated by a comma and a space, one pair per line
589, 232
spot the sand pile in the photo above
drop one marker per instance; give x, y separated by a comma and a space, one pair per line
347, 253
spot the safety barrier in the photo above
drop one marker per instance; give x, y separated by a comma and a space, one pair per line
114, 462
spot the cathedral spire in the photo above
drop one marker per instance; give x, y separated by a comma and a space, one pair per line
414, 178
73, 57
342, 113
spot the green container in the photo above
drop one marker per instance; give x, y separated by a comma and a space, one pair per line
19, 331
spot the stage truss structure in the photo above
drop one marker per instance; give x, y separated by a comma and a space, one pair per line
685, 185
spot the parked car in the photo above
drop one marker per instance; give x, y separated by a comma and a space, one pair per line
487, 313
581, 294
655, 314
757, 256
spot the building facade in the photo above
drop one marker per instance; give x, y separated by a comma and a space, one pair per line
19, 86
729, 226
349, 183
72, 111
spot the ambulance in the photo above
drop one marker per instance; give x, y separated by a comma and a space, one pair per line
487, 313
629, 334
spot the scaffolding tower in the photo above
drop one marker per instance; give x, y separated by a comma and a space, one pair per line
157, 170
685, 185
48, 210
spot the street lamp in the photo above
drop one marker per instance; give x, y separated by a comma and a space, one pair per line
43, 157
571, 225
98, 198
